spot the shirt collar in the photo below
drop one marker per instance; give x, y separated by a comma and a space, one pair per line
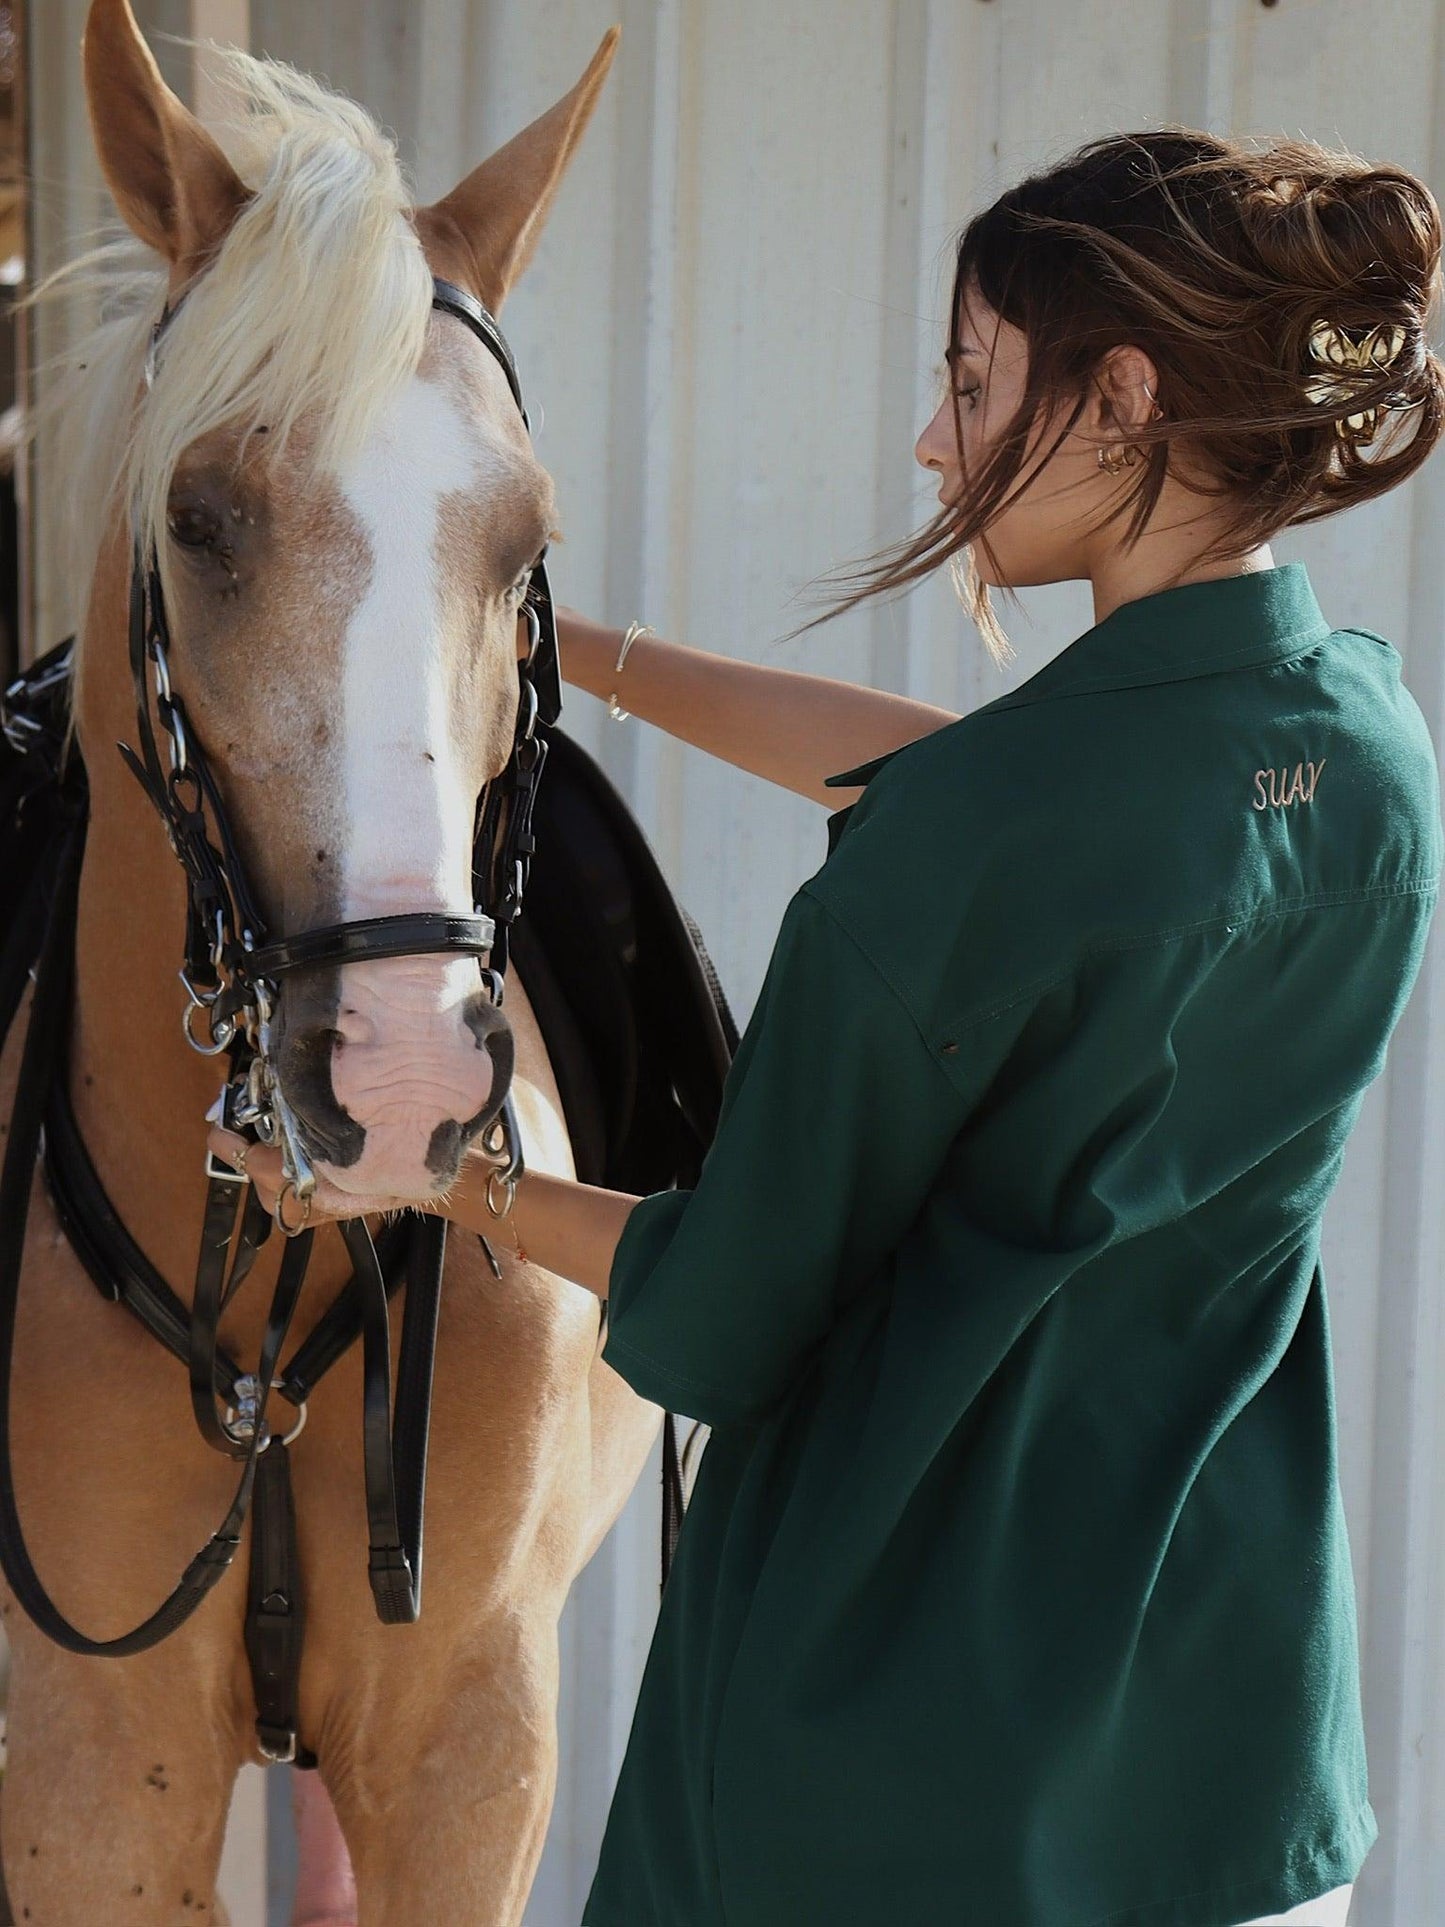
1193, 629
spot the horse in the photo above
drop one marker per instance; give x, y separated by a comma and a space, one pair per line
345, 506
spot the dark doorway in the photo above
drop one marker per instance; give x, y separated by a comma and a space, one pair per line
14, 258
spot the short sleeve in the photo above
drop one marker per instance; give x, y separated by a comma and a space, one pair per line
836, 1117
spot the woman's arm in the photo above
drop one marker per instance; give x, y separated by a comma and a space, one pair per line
567, 1228
790, 728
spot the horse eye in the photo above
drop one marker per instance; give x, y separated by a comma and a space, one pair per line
193, 525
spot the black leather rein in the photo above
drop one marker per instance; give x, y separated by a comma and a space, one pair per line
232, 966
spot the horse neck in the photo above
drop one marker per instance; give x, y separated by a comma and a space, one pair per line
140, 1092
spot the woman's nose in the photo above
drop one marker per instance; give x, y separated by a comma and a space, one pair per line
931, 450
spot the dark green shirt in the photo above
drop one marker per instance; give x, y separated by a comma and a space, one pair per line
1015, 1588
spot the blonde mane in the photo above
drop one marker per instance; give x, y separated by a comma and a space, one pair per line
315, 305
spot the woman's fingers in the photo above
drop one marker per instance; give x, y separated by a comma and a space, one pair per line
261, 1163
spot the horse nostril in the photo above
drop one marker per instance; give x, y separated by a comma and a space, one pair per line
305, 1067
484, 1020
352, 1027
444, 1154
494, 1035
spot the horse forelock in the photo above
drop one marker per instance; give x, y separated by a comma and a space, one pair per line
315, 307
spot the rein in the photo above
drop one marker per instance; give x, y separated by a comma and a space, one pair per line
231, 972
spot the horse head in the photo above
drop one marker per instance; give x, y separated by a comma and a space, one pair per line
344, 507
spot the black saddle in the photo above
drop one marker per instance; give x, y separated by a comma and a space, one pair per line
635, 1020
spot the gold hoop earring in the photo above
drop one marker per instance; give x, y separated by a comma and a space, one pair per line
1117, 456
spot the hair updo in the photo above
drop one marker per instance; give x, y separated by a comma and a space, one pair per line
1218, 259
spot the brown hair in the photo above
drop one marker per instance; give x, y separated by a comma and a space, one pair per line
1217, 260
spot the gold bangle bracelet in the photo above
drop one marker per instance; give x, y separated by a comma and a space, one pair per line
632, 632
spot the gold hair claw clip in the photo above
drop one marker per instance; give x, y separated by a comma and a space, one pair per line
1332, 349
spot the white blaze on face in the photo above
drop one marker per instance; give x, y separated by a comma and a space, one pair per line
407, 814
406, 1060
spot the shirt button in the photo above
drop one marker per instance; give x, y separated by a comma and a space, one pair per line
948, 1049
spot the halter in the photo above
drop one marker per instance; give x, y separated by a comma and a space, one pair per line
232, 966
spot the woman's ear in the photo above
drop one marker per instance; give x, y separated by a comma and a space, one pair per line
1127, 383
170, 180
483, 233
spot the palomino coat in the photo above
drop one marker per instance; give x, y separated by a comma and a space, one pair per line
1015, 1588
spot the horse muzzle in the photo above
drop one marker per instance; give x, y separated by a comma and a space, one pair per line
392, 1068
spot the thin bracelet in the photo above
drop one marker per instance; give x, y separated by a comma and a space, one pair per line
633, 631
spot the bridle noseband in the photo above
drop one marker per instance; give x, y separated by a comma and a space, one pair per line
232, 965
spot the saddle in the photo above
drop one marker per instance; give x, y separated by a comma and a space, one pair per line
633, 1016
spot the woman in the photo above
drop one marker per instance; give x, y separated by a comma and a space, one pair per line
1015, 1587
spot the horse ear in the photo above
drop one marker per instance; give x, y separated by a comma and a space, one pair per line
483, 233
173, 185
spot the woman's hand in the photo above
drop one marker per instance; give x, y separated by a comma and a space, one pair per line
564, 1227
261, 1163
567, 1228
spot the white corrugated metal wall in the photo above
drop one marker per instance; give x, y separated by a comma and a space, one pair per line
730, 327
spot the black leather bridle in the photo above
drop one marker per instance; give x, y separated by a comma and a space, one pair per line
232, 967
231, 972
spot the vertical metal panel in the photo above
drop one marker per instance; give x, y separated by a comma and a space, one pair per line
731, 327
367, 51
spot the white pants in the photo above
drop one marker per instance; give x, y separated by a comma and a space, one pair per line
1330, 1910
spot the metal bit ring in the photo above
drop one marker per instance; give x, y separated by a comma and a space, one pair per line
278, 1210
509, 1193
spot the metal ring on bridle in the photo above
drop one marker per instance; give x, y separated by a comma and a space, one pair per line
184, 777
296, 1430
534, 628
238, 1428
180, 749
509, 1191
527, 721
278, 1210
219, 1034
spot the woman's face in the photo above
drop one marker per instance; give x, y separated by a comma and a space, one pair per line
1044, 534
